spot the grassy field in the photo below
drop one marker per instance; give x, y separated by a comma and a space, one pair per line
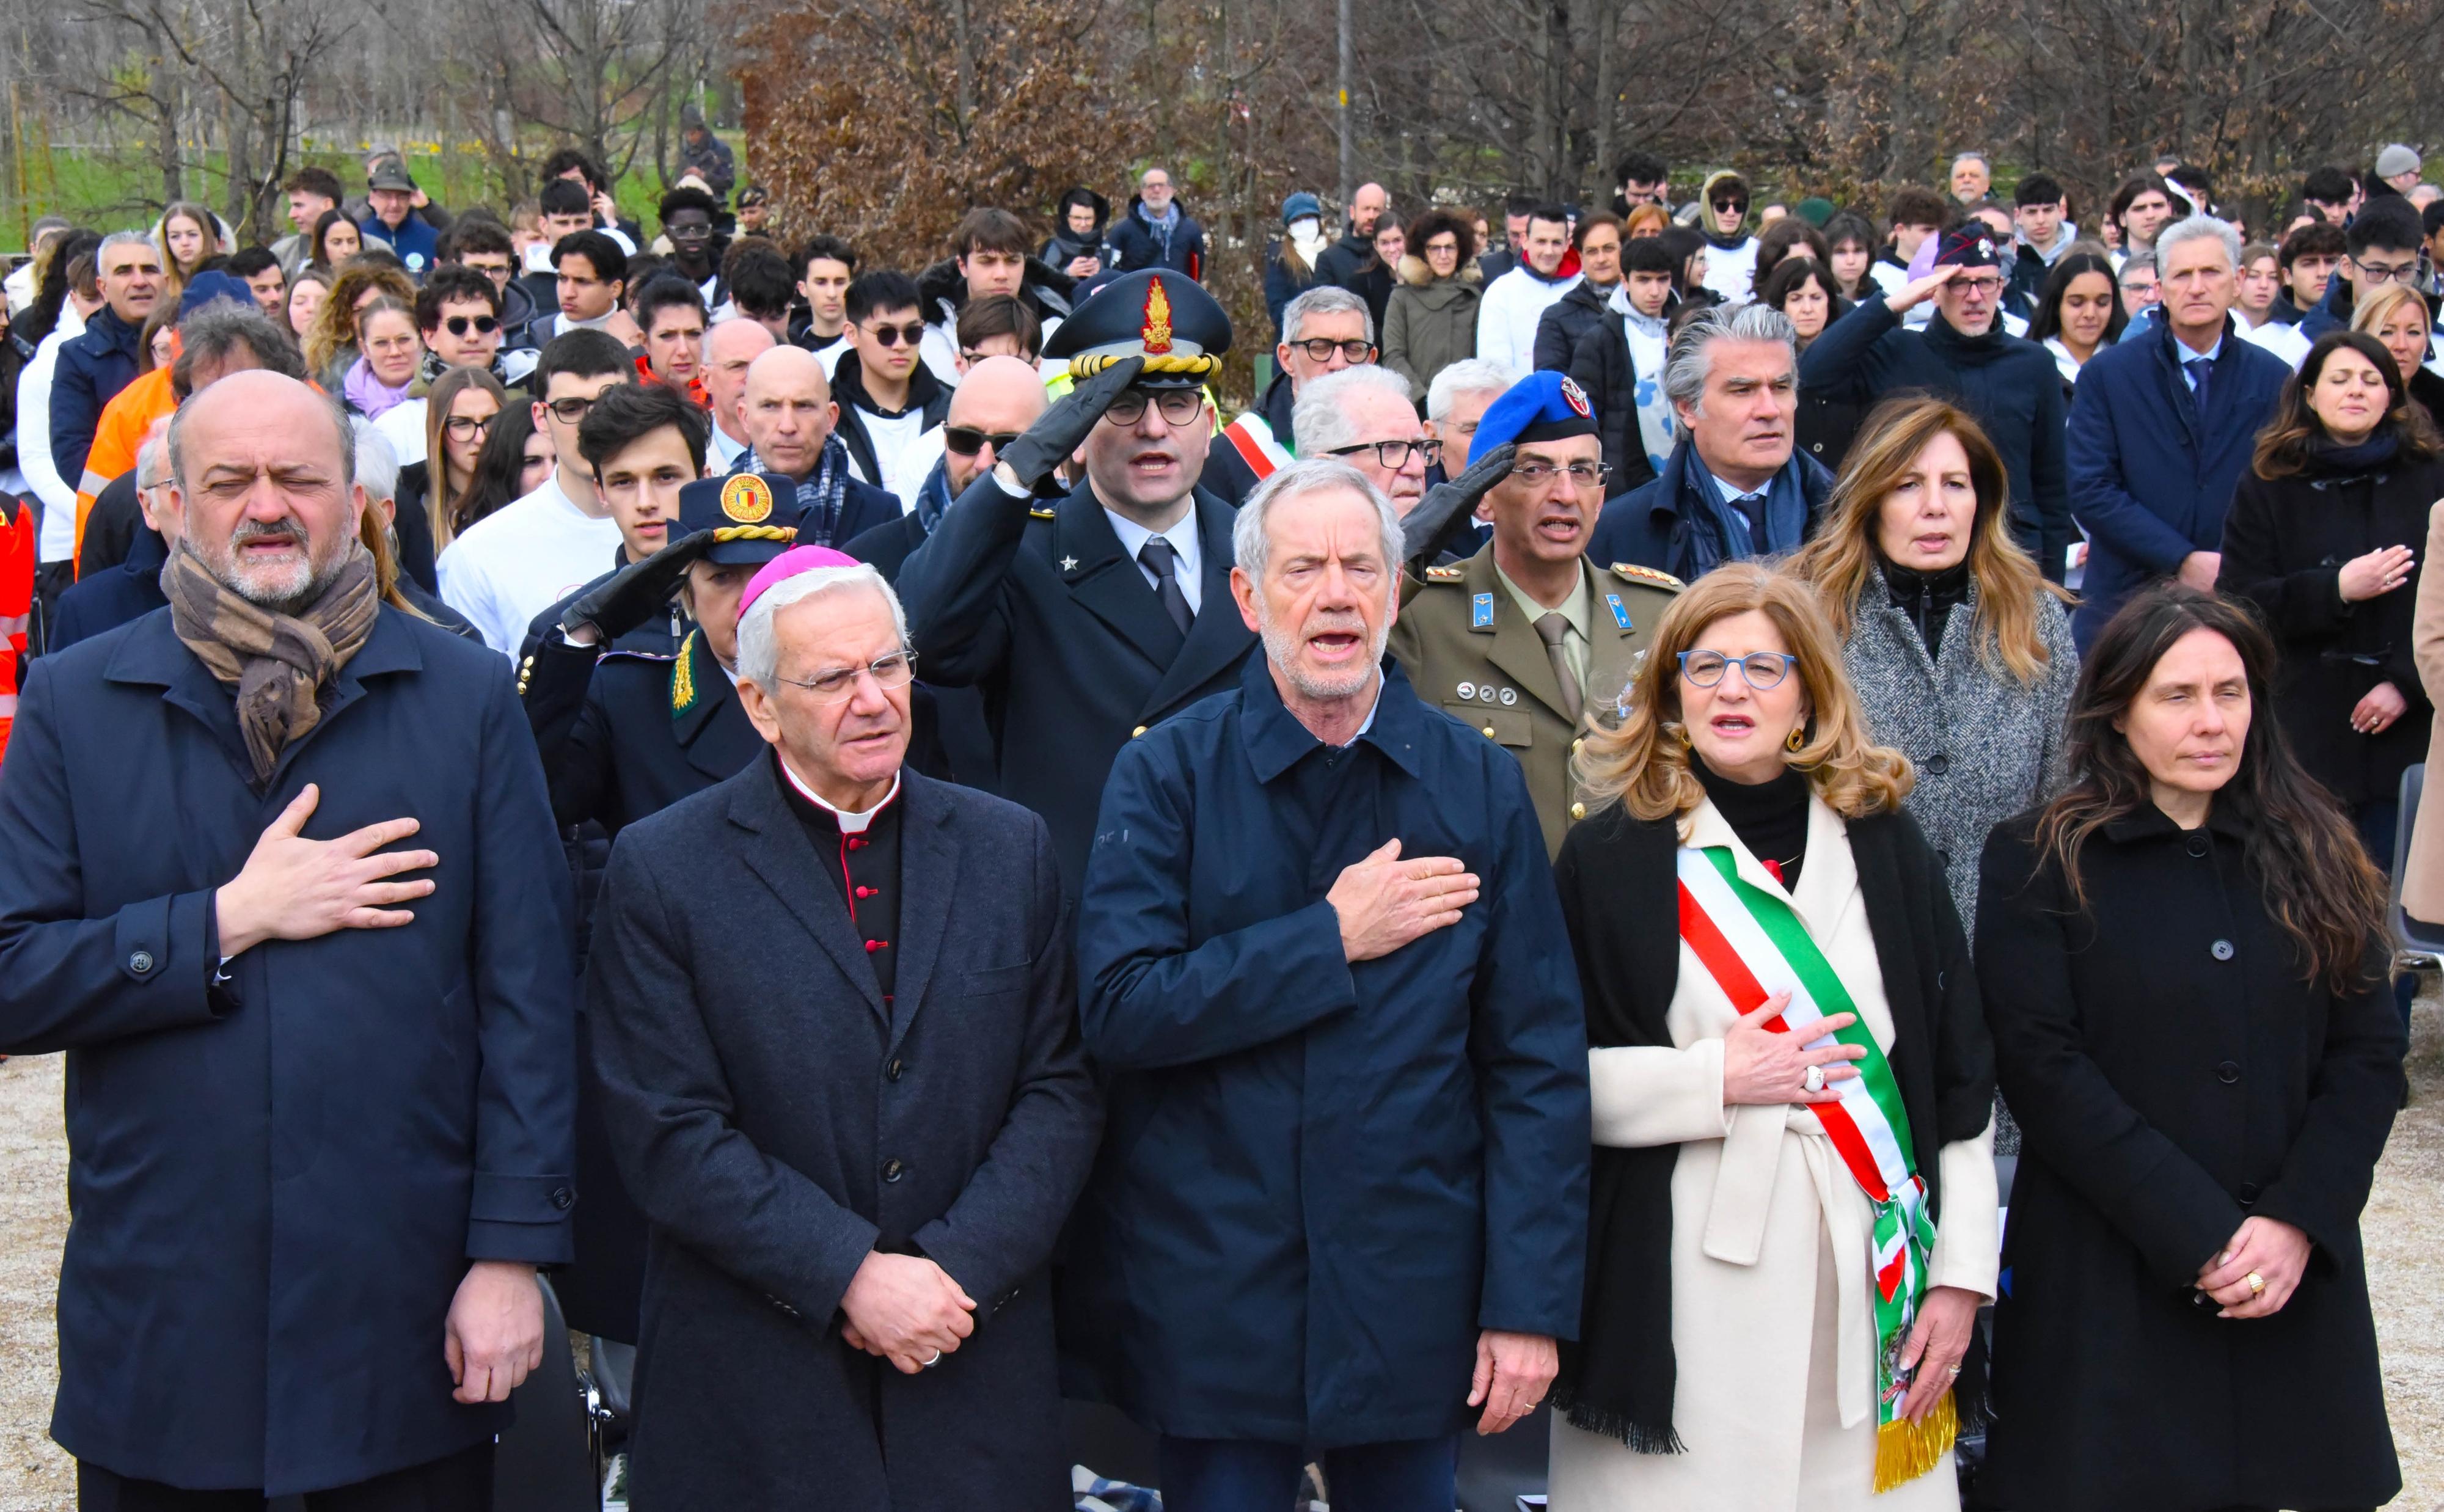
106, 190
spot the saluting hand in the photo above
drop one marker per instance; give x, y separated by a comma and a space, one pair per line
295, 889
1762, 1065
1385, 902
1059, 430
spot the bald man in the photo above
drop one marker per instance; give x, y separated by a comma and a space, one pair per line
1339, 262
793, 429
1000, 398
729, 347
323, 1132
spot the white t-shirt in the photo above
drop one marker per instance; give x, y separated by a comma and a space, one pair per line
402, 426
897, 453
513, 565
2283, 341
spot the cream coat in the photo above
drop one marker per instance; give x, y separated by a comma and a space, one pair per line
1771, 1317
2422, 878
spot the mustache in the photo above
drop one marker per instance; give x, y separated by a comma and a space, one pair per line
251, 531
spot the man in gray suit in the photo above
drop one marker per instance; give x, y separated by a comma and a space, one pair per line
841, 1076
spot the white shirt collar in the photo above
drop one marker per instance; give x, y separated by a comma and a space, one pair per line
850, 823
1182, 535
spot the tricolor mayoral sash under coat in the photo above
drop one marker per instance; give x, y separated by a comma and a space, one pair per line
1731, 1316
1321, 1179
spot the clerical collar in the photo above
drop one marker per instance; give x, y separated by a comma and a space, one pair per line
849, 824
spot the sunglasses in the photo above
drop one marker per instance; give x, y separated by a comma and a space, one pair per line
459, 324
1727, 206
967, 441
893, 335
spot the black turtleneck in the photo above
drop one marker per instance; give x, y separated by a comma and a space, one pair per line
1770, 818
1927, 599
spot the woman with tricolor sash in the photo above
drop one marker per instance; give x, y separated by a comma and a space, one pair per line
2184, 963
1793, 1219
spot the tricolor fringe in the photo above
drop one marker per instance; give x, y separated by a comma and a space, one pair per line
1905, 1451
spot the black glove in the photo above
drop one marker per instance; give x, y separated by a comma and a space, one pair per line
636, 592
1452, 499
1058, 433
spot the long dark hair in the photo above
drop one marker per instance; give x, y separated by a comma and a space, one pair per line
43, 316
497, 466
2282, 447
2047, 322
2302, 851
1793, 270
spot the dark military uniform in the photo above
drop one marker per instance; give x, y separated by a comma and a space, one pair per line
1037, 603
1471, 652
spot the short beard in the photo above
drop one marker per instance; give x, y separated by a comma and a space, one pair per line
289, 590
1281, 648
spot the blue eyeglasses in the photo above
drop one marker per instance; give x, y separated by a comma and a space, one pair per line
1760, 669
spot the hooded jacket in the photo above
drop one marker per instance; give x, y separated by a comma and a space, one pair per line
1730, 260
1065, 246
1430, 323
1137, 244
942, 293
1505, 320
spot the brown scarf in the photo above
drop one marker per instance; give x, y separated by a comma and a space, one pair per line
281, 665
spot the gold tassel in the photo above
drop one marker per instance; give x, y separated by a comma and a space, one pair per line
1905, 1451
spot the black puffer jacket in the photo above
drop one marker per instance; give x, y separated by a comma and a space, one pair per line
1565, 323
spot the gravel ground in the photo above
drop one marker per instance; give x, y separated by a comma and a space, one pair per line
2404, 1230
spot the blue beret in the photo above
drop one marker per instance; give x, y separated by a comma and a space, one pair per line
1540, 407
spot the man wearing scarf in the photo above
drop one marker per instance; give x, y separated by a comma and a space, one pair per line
277, 872
794, 430
1964, 355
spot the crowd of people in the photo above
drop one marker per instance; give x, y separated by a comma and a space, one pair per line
1563, 867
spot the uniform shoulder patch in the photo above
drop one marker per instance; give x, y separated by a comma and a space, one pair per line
1448, 572
1648, 576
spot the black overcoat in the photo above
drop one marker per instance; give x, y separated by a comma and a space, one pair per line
777, 1124
277, 1192
2173, 1072
2284, 545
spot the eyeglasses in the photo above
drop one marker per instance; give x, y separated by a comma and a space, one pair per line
893, 335
458, 324
1978, 286
1394, 455
463, 427
1321, 349
1727, 206
1585, 475
1178, 406
1760, 669
963, 441
893, 671
2381, 273
568, 412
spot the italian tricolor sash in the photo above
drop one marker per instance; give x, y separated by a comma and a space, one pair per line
1253, 440
1753, 946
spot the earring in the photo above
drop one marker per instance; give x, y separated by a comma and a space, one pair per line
1794, 741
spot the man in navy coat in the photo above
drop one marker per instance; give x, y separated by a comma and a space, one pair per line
836, 1027
1323, 966
2162, 426
320, 1083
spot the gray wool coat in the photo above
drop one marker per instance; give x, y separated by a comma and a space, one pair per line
1985, 746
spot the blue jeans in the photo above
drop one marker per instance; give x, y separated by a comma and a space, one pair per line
2376, 821
1243, 1475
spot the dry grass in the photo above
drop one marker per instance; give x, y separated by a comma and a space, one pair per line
2404, 1231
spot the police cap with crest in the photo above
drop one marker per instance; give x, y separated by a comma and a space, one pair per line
1969, 245
1544, 406
1164, 317
752, 516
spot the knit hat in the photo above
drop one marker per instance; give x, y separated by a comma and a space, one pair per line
1300, 206
1815, 210
1971, 244
205, 287
2396, 159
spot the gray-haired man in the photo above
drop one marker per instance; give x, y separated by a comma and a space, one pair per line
1323, 331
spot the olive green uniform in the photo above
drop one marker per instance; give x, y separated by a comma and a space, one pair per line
1473, 652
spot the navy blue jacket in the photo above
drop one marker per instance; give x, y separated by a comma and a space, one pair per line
279, 1185
1322, 1179
1133, 244
1037, 604
1657, 524
417, 244
2333, 312
129, 589
2010, 385
1283, 286
2149, 483
92, 369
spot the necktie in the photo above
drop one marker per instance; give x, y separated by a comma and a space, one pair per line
1552, 628
1163, 561
2201, 369
1753, 507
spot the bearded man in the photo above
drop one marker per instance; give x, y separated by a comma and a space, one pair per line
278, 871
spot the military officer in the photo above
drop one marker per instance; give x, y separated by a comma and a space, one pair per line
1089, 618
1525, 638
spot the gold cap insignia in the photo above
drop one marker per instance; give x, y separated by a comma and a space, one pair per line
747, 499
1157, 331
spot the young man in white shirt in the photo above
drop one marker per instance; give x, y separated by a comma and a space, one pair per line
511, 565
826, 265
888, 400
1507, 316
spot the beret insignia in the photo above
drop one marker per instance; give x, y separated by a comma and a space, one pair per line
747, 499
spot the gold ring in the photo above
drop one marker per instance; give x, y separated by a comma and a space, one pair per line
2256, 1284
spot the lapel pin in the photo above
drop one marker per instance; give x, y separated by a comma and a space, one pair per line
1510, 696
1620, 612
1068, 563
1468, 689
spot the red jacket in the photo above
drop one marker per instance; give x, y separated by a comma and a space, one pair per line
16, 602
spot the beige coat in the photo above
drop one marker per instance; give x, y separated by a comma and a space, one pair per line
1771, 1317
2423, 877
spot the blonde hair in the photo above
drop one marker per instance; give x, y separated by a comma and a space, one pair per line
1638, 757
1840, 562
2374, 309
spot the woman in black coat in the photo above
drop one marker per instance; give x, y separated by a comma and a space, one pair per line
2182, 962
2321, 539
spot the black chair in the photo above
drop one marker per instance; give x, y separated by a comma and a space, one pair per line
607, 1382
542, 1464
2408, 933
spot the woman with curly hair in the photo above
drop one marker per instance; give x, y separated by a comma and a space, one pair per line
331, 342
1793, 1217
